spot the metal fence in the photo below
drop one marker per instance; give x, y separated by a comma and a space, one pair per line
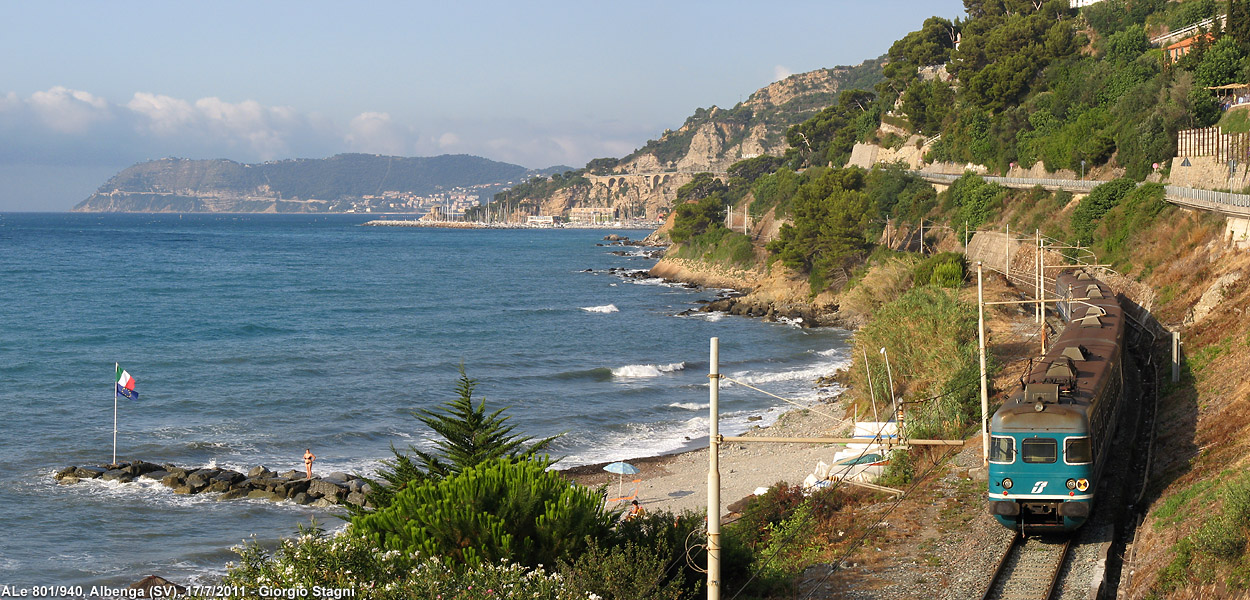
1228, 203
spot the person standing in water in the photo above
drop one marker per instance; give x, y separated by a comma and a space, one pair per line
309, 457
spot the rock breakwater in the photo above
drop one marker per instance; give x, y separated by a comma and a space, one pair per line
258, 483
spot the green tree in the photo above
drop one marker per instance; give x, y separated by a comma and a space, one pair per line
931, 45
830, 217
1100, 200
467, 435
1221, 64
927, 103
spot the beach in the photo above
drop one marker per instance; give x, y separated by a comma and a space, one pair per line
678, 482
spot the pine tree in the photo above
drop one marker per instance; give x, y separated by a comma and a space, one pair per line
467, 436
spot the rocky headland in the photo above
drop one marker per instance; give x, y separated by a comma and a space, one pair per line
258, 483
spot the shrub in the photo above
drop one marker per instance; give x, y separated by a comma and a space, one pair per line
501, 509
349, 561
628, 572
943, 270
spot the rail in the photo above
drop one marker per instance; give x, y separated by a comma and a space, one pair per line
1226, 203
1029, 569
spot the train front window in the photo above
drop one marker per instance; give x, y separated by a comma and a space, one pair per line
1039, 450
1002, 450
1076, 451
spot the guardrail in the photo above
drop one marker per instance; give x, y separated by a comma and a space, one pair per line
1227, 203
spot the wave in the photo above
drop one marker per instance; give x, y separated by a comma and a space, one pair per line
689, 405
637, 371
606, 308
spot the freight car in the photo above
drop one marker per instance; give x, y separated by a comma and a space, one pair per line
1049, 441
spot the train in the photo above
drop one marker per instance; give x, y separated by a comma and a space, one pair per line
1050, 439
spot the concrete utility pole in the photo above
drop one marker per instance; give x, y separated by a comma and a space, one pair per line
713, 476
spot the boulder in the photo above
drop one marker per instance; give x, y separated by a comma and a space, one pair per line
356, 498
229, 476
355, 486
66, 472
179, 471
260, 471
292, 488
67, 480
174, 480
327, 489
293, 474
321, 503
263, 495
202, 477
218, 485
157, 475
89, 472
142, 467
234, 494
118, 475
338, 477
302, 498
183, 489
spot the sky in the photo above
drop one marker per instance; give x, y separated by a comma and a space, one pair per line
90, 88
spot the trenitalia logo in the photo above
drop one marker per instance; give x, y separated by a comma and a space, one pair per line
1038, 487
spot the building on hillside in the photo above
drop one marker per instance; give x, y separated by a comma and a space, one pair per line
542, 220
1081, 3
592, 214
1181, 48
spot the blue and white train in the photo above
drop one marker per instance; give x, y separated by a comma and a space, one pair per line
1049, 442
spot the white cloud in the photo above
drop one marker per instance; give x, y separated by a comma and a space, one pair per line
780, 72
377, 133
62, 126
69, 111
448, 140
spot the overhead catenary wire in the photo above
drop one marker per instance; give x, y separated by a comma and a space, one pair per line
783, 399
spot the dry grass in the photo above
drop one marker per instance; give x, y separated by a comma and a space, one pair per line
882, 284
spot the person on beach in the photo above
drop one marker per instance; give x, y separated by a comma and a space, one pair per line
309, 457
635, 510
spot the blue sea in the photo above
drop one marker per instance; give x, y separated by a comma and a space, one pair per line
252, 337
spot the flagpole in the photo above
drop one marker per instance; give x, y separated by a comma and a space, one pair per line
115, 367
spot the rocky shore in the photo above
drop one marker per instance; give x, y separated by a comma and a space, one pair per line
258, 483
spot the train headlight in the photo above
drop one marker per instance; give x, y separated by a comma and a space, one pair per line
1007, 483
1082, 484
1071, 483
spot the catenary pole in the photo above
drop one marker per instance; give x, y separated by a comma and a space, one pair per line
713, 476
985, 397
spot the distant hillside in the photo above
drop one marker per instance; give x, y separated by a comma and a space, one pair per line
645, 183
342, 183
713, 138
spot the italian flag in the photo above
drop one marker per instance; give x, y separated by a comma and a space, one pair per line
126, 384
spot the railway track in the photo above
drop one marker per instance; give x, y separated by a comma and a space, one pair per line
1029, 568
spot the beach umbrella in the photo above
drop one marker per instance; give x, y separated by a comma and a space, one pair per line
621, 469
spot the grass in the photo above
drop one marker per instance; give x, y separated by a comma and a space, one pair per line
1235, 121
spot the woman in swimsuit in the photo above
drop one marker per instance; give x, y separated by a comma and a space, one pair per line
309, 457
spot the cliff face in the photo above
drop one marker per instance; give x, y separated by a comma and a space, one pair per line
712, 139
